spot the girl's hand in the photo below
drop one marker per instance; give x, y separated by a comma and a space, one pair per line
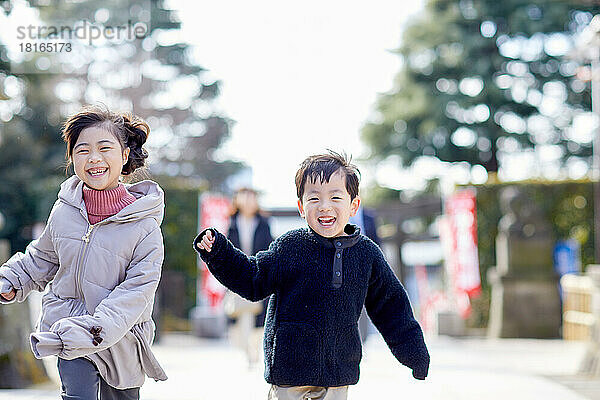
207, 241
7, 292
9, 296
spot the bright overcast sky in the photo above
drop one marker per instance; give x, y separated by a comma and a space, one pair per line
296, 77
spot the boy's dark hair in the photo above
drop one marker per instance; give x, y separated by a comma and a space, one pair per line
130, 131
322, 166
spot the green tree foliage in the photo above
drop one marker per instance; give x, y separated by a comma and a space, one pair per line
18, 367
481, 79
31, 153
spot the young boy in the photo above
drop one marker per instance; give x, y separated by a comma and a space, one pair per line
319, 278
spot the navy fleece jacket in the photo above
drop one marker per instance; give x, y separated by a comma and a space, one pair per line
318, 289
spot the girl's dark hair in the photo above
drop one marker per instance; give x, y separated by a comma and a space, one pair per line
130, 130
322, 166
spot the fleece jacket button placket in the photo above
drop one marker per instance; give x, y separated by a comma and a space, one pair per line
337, 265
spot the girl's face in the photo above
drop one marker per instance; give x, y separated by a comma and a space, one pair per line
98, 158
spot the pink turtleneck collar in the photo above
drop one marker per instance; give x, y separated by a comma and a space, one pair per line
101, 204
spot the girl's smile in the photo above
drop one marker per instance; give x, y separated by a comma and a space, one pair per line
97, 172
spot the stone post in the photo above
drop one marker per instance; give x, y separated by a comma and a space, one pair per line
525, 300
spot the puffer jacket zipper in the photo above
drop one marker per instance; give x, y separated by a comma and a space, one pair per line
86, 241
83, 253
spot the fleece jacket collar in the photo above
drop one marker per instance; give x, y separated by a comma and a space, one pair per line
341, 242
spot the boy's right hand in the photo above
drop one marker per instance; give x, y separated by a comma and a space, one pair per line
207, 241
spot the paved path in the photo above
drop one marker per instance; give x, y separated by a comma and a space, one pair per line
462, 369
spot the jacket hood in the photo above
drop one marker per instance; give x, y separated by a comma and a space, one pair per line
149, 200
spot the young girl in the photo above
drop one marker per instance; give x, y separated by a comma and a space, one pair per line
100, 256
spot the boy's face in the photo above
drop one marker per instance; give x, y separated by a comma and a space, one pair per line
326, 206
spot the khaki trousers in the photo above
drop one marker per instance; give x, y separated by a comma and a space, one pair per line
308, 392
248, 338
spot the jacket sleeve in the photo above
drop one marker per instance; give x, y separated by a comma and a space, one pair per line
72, 337
35, 268
252, 277
389, 308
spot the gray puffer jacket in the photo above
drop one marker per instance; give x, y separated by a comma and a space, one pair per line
103, 275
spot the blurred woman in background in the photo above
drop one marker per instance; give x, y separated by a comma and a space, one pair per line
249, 231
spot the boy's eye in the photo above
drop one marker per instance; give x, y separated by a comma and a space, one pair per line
105, 148
82, 151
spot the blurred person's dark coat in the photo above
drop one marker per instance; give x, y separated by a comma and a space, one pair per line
370, 226
261, 241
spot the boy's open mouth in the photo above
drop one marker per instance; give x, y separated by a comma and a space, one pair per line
326, 221
96, 172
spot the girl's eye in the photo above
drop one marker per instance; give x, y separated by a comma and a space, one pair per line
313, 199
336, 198
105, 148
82, 152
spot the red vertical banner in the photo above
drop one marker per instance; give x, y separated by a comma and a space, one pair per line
458, 233
215, 211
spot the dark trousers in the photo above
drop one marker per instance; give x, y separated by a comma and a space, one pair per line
81, 381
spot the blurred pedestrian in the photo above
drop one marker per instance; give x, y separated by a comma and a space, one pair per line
367, 223
100, 258
250, 232
368, 226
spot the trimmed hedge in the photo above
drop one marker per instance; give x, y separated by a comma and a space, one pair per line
179, 229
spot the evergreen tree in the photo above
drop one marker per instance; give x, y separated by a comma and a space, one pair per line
484, 78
